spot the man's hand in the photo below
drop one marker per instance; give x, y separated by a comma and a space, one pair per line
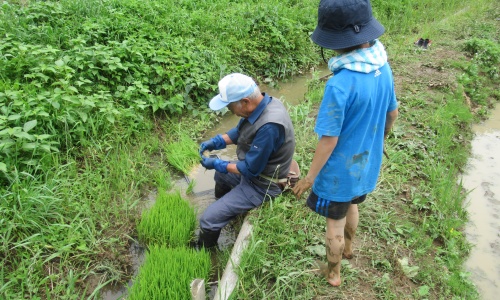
215, 143
214, 163
301, 186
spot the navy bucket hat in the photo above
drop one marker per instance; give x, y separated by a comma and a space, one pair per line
345, 23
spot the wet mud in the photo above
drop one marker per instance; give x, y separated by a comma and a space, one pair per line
482, 181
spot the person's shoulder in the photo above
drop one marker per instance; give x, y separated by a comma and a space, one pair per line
276, 101
341, 78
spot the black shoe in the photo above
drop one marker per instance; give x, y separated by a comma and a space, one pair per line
208, 238
420, 42
426, 44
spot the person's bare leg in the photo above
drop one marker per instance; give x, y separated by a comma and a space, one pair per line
334, 249
352, 220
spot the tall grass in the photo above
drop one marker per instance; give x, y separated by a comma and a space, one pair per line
74, 222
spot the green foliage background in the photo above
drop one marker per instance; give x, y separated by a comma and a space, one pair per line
73, 70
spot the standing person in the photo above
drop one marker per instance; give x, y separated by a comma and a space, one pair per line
265, 144
357, 111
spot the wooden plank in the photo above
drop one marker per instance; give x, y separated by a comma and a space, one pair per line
229, 278
198, 289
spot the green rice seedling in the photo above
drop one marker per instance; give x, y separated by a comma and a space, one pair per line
190, 188
183, 153
171, 221
168, 272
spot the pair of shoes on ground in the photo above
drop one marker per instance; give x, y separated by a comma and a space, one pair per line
423, 43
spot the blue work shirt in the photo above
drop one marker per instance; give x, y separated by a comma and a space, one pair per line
354, 109
268, 139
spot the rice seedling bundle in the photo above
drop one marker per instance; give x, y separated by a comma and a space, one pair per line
171, 221
182, 154
168, 272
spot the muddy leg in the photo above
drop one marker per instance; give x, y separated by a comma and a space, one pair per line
352, 220
334, 249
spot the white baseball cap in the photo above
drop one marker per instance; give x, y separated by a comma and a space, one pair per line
232, 88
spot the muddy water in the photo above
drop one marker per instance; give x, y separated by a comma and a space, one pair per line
202, 195
482, 179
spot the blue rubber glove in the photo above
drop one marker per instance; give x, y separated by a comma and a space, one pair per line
215, 143
214, 163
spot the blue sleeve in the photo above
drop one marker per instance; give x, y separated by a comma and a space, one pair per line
331, 112
268, 139
393, 103
233, 133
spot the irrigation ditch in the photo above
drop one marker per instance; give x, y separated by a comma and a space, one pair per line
483, 205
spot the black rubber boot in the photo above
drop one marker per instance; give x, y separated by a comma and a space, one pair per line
220, 190
208, 238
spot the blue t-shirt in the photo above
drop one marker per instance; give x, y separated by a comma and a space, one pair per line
354, 109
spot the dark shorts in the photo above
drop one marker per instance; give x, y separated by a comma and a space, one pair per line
331, 209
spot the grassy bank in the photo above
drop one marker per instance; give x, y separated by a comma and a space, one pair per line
93, 92
410, 243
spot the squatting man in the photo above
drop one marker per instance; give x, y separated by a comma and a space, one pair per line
265, 144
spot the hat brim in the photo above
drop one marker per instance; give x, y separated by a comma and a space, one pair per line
216, 103
347, 38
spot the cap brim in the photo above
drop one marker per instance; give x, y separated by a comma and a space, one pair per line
348, 37
216, 103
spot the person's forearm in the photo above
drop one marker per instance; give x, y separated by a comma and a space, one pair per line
324, 149
227, 139
231, 168
389, 122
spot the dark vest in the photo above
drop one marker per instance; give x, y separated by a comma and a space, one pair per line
279, 162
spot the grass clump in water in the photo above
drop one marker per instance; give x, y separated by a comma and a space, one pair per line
171, 221
168, 272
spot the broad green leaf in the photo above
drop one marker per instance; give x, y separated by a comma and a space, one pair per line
29, 125
6, 144
29, 146
30, 162
3, 167
45, 148
42, 136
13, 117
59, 63
316, 250
83, 116
24, 135
423, 290
6, 132
407, 269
